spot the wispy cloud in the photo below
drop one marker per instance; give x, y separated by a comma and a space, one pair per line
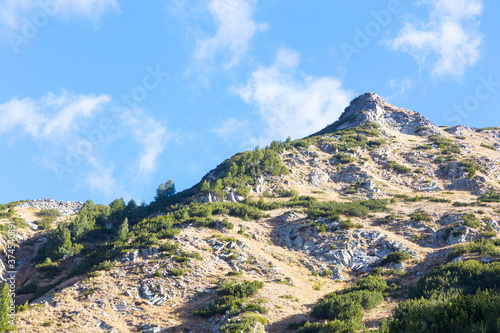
74, 135
291, 106
235, 29
151, 135
401, 87
449, 42
15, 13
49, 117
230, 128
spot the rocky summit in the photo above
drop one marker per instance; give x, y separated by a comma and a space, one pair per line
370, 107
381, 222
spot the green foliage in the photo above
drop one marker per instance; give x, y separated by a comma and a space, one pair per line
454, 314
49, 213
6, 302
165, 192
398, 167
373, 144
332, 210
490, 197
123, 230
370, 283
344, 158
235, 273
471, 220
420, 215
488, 146
336, 326
247, 323
481, 247
149, 231
58, 245
463, 277
46, 223
396, 257
177, 272
446, 145
106, 265
470, 167
232, 300
347, 306
245, 289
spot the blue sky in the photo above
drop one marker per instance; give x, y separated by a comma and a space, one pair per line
102, 99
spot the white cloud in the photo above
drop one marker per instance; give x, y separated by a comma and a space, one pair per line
49, 117
151, 135
15, 13
235, 29
289, 106
401, 87
230, 128
74, 133
449, 42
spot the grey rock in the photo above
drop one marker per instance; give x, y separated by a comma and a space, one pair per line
64, 207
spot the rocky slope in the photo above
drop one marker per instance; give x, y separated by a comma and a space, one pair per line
434, 184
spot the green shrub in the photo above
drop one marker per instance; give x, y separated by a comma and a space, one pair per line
344, 158
469, 313
471, 220
369, 283
463, 277
336, 326
470, 167
245, 289
398, 167
488, 146
46, 223
177, 272
490, 197
246, 323
482, 247
396, 257
420, 215
49, 212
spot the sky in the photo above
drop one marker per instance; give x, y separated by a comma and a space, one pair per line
102, 99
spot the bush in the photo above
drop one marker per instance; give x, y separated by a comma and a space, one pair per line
245, 289
370, 283
490, 197
398, 167
49, 213
396, 257
469, 313
419, 215
45, 223
482, 247
463, 277
247, 323
471, 220
344, 158
336, 326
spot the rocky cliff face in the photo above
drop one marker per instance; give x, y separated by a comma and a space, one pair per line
370, 107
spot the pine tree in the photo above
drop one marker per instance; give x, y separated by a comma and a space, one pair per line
5, 302
123, 230
205, 187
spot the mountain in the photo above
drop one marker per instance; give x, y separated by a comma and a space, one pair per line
370, 107
342, 229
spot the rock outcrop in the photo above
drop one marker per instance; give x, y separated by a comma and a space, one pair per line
370, 107
64, 207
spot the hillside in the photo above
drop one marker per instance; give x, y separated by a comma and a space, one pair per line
371, 205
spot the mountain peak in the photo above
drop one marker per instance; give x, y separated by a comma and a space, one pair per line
370, 107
